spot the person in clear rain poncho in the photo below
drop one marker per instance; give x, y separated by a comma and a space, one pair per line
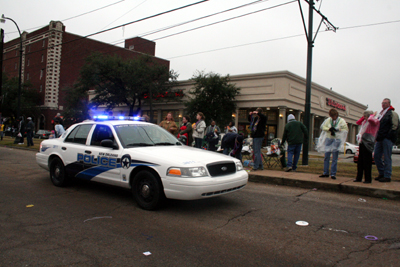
332, 139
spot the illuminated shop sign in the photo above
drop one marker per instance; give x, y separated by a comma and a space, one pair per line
334, 104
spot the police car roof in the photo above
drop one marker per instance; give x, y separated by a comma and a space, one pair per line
114, 122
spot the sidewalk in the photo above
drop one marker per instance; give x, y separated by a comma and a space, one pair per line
341, 184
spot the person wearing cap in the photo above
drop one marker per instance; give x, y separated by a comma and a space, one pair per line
30, 126
295, 134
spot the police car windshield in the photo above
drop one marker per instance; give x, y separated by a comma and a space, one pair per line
139, 135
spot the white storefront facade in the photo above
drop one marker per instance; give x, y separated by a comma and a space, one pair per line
278, 94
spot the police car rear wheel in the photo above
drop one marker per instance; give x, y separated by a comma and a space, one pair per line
57, 173
147, 190
348, 151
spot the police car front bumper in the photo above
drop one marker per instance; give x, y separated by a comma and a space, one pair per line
42, 160
204, 187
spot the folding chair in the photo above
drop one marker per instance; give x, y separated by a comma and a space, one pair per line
272, 160
272, 157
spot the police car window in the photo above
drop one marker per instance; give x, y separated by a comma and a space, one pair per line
144, 135
100, 133
79, 134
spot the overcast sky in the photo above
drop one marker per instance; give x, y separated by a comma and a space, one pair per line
360, 61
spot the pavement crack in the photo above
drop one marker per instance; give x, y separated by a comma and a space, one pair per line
297, 199
235, 217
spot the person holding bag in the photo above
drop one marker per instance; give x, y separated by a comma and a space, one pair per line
366, 139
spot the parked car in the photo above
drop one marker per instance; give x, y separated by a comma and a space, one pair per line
350, 148
355, 159
9, 131
396, 150
42, 134
141, 156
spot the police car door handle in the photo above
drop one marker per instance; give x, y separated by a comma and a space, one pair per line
64, 148
88, 152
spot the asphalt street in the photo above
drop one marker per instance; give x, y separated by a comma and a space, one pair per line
89, 224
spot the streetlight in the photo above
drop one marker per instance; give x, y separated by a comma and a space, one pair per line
3, 20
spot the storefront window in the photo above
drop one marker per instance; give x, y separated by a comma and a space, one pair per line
155, 115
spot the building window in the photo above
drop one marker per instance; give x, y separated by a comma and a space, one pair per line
29, 48
42, 57
40, 89
44, 43
27, 76
28, 63
41, 74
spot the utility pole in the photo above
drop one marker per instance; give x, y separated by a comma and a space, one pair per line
310, 45
1, 69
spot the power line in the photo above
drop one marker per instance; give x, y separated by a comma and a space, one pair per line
123, 15
235, 46
225, 20
190, 21
94, 10
277, 39
119, 26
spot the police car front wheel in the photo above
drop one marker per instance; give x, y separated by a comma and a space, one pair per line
147, 190
57, 173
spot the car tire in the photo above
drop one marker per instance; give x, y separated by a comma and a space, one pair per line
147, 190
58, 176
348, 151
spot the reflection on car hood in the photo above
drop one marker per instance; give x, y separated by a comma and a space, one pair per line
181, 155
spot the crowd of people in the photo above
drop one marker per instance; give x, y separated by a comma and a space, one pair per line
377, 135
23, 129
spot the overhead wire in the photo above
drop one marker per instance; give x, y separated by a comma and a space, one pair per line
119, 26
269, 40
123, 15
88, 12
190, 21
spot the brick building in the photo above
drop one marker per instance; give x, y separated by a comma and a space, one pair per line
52, 59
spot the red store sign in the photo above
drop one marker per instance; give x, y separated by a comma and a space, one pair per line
333, 103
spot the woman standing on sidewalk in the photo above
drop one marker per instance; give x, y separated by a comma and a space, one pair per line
333, 135
366, 139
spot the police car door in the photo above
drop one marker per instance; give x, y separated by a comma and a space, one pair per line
103, 165
73, 149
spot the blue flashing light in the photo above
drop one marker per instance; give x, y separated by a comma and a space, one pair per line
106, 117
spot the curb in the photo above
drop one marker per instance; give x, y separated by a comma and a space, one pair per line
329, 185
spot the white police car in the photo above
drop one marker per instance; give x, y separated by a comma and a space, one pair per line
141, 156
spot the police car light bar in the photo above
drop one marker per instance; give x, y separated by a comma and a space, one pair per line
109, 118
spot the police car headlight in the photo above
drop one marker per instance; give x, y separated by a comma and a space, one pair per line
239, 166
187, 172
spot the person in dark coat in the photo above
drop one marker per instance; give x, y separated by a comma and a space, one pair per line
258, 122
212, 136
295, 134
29, 128
385, 139
21, 131
186, 130
232, 144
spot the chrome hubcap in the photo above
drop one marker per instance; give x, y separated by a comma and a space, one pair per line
57, 172
145, 190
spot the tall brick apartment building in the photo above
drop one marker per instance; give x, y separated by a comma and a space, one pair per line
52, 59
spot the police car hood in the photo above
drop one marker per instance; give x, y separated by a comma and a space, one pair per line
180, 155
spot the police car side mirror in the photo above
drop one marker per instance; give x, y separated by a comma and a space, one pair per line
108, 143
